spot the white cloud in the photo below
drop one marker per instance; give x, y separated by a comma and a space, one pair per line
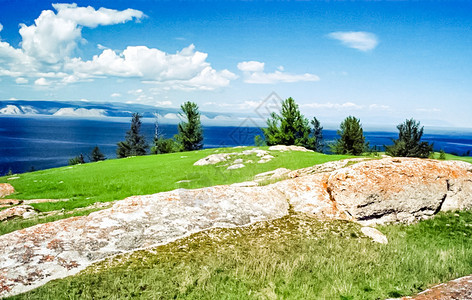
48, 47
254, 73
53, 37
115, 95
187, 69
42, 82
251, 66
135, 92
360, 40
13, 99
1, 27
21, 80
329, 105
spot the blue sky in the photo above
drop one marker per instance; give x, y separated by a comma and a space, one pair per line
380, 61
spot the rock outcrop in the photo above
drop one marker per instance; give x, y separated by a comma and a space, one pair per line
373, 191
6, 189
400, 189
36, 255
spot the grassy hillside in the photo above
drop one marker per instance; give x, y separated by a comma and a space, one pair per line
292, 258
119, 178
295, 257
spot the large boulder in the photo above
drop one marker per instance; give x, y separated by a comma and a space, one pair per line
6, 189
400, 189
36, 255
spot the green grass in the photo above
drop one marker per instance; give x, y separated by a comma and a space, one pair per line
119, 178
295, 257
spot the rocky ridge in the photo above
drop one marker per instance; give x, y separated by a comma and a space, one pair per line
369, 192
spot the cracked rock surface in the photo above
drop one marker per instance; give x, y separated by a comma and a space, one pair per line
373, 191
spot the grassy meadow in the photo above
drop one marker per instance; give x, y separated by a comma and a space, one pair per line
295, 257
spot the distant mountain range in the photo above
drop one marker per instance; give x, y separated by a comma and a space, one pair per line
84, 109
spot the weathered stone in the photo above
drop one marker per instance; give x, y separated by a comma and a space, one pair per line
266, 158
213, 159
375, 235
276, 174
9, 202
6, 189
289, 148
236, 166
15, 211
399, 189
67, 246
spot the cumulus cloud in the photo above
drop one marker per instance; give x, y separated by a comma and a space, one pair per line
115, 95
254, 73
1, 27
53, 36
48, 47
42, 82
360, 40
21, 80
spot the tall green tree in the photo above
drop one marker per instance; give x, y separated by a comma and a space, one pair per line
409, 142
289, 127
190, 134
135, 143
318, 135
352, 140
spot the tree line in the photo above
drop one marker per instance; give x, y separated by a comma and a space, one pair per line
288, 127
189, 138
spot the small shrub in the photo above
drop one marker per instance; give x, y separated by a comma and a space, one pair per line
79, 159
442, 155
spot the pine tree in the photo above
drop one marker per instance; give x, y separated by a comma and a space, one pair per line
409, 142
289, 127
190, 134
352, 140
97, 155
135, 143
318, 135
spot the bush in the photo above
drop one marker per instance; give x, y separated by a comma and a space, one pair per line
79, 159
442, 155
162, 145
259, 141
290, 127
352, 139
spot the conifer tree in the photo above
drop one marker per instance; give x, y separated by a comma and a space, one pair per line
190, 134
352, 140
290, 127
409, 142
97, 155
135, 143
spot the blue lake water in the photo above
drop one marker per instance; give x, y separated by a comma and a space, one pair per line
47, 142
